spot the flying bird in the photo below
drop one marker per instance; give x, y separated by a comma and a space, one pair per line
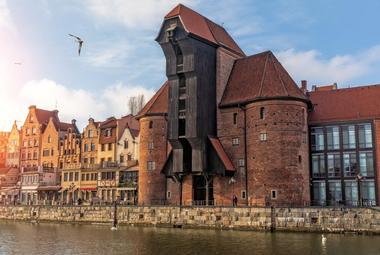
79, 41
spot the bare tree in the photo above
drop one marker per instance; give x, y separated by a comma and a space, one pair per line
132, 104
140, 102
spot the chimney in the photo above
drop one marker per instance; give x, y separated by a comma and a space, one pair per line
304, 86
73, 121
314, 88
335, 86
32, 107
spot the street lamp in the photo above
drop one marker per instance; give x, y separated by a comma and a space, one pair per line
359, 177
232, 181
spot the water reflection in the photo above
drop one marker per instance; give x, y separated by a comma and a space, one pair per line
26, 238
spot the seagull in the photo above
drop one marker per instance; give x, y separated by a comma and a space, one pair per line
79, 41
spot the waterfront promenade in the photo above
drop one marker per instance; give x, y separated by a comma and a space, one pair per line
306, 219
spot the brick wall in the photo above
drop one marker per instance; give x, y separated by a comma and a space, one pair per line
309, 219
281, 163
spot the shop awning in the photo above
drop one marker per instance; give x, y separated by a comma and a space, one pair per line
48, 188
88, 188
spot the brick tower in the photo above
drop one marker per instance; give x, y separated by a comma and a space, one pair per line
276, 130
153, 148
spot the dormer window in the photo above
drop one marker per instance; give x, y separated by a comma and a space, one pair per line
108, 132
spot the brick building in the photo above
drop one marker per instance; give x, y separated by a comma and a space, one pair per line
13, 147
226, 124
3, 148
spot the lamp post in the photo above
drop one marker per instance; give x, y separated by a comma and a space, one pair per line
232, 181
359, 177
71, 188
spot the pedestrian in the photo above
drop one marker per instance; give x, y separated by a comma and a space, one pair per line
234, 200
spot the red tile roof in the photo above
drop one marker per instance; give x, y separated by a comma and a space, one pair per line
259, 77
198, 25
218, 147
43, 116
349, 104
158, 104
128, 121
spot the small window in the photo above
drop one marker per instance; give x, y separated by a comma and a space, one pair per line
263, 136
273, 194
241, 162
262, 113
299, 159
151, 165
235, 118
150, 124
110, 146
168, 195
121, 158
243, 194
125, 144
150, 146
49, 139
235, 141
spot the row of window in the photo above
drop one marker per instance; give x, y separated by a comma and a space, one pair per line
29, 179
29, 155
353, 164
345, 136
333, 192
30, 143
104, 146
33, 129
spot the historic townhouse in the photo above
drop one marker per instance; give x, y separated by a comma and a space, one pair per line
31, 136
3, 148
70, 147
127, 154
37, 183
89, 146
13, 147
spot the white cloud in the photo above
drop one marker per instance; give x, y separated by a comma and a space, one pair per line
142, 14
311, 65
76, 104
5, 17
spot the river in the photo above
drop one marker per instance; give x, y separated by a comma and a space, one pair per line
45, 238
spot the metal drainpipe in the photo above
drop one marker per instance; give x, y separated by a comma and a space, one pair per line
245, 151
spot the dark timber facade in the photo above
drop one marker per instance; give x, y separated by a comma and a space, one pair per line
228, 125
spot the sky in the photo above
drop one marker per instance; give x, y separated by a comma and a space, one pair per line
319, 41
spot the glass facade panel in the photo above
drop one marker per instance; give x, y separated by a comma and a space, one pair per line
318, 165
332, 138
351, 192
333, 164
335, 192
366, 163
319, 193
367, 190
350, 165
349, 141
317, 139
365, 136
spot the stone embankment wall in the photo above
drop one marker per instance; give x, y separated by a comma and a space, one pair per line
361, 220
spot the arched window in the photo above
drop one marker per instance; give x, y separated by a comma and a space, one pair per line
262, 113
150, 124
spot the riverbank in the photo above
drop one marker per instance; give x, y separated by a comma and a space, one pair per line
308, 219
